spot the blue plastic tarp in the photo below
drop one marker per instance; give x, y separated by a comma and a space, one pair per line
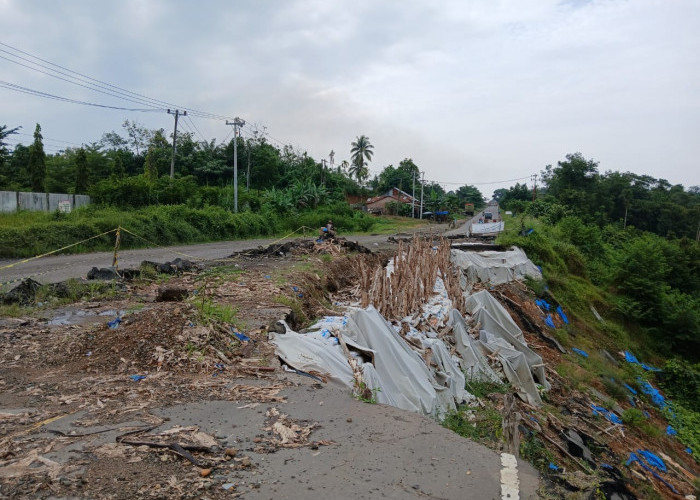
541, 303
630, 358
671, 431
580, 352
599, 410
650, 390
653, 461
561, 314
631, 389
548, 321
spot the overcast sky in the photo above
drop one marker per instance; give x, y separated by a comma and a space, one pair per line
472, 91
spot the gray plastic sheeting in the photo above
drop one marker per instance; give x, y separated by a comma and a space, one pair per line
499, 335
398, 375
474, 362
495, 267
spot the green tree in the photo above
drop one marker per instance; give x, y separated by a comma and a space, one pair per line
470, 194
139, 137
4, 151
360, 151
150, 169
6, 177
81, 172
574, 183
37, 162
18, 168
401, 177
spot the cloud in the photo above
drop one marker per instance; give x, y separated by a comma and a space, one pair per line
487, 90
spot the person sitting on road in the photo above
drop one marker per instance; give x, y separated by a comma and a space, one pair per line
328, 231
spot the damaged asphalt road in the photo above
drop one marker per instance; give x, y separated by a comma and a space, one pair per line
160, 405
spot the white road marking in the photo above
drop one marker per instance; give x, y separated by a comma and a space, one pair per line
509, 477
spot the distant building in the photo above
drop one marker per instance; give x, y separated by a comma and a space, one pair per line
377, 205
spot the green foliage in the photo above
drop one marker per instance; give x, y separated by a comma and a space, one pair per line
482, 388
632, 417
37, 162
533, 450
362, 393
477, 423
361, 149
81, 175
681, 382
37, 233
640, 278
687, 423
211, 311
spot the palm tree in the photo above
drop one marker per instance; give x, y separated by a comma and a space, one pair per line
361, 149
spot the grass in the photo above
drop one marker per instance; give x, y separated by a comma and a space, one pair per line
534, 451
224, 272
388, 224
483, 424
213, 312
13, 311
482, 388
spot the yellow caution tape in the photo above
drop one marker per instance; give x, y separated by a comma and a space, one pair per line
55, 251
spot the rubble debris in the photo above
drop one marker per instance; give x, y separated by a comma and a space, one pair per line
263, 394
103, 273
23, 294
576, 445
171, 293
176, 266
304, 247
291, 433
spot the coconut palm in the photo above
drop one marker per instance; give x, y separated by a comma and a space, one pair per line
361, 150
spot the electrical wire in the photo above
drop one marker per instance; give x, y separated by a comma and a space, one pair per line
49, 139
26, 90
201, 136
103, 85
89, 87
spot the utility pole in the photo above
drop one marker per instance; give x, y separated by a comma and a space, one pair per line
413, 199
323, 172
534, 186
247, 177
421, 195
237, 123
172, 160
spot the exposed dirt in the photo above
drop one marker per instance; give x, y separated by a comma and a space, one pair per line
156, 354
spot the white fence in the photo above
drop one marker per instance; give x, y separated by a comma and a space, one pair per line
14, 201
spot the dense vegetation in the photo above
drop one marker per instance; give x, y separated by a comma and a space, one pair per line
131, 169
128, 178
650, 275
625, 247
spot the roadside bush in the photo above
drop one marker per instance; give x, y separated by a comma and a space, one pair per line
681, 382
158, 224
